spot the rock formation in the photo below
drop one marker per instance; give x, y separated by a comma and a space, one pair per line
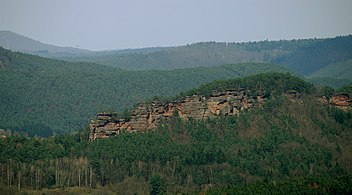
341, 101
147, 115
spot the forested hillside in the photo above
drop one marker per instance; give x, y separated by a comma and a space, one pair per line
335, 75
16, 42
312, 58
287, 145
302, 56
42, 96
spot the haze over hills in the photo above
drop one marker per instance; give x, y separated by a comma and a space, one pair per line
16, 42
243, 134
35, 88
302, 56
43, 96
335, 75
175, 97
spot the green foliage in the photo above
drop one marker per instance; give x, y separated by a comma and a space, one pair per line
340, 69
334, 82
281, 147
334, 75
158, 185
346, 89
44, 97
341, 117
302, 185
284, 146
304, 56
265, 84
315, 54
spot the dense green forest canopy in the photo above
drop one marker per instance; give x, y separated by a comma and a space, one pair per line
334, 75
284, 146
322, 61
304, 56
264, 84
41, 96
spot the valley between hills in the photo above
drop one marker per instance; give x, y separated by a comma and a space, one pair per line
251, 118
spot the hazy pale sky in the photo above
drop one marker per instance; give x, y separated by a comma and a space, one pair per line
117, 24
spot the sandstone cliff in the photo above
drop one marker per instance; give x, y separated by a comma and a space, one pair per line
230, 102
341, 101
147, 115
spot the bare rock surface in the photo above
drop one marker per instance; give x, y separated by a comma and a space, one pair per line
148, 115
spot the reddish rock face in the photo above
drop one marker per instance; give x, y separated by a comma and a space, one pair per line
147, 116
341, 101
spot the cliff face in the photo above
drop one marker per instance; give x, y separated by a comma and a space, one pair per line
341, 101
147, 115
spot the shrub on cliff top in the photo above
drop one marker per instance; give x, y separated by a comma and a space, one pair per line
260, 84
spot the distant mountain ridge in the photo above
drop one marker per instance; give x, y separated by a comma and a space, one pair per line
16, 42
302, 56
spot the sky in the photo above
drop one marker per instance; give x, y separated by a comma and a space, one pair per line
120, 24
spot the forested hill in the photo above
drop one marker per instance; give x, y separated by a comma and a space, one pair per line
304, 56
16, 42
324, 61
216, 99
287, 145
334, 75
43, 96
265, 84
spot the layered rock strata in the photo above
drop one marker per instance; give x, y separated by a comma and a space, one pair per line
147, 115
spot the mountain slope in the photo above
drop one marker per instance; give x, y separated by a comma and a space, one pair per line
41, 96
16, 42
219, 98
317, 54
334, 75
303, 56
287, 145
342, 70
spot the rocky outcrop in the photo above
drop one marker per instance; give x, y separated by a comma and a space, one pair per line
148, 115
341, 101
230, 102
